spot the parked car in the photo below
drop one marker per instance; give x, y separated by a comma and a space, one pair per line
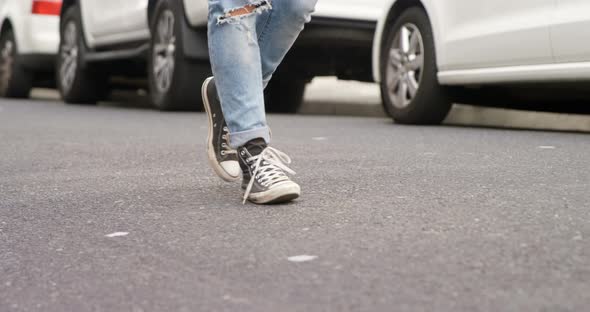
534, 54
28, 44
105, 38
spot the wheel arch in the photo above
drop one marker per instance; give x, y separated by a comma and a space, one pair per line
66, 4
396, 8
12, 22
6, 24
150, 9
195, 46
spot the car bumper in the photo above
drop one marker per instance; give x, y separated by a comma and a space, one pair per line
41, 35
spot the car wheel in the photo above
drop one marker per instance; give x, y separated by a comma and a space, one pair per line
409, 86
77, 82
284, 95
15, 80
172, 77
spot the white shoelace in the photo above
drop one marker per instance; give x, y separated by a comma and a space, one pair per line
225, 148
269, 168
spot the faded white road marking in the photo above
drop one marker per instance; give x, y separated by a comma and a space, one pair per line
319, 138
547, 147
302, 258
235, 299
117, 234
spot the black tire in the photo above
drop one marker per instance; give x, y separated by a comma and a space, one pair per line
81, 84
284, 95
430, 104
15, 80
181, 90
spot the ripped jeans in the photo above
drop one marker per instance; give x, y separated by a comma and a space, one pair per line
248, 39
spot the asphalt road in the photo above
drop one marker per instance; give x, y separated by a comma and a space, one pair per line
114, 208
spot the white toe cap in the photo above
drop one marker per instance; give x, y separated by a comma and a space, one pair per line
232, 168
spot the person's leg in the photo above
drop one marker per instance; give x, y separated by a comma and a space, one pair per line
278, 29
236, 64
224, 32
247, 40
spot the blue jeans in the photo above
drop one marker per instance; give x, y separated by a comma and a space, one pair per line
246, 47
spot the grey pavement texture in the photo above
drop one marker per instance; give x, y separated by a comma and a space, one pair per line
400, 218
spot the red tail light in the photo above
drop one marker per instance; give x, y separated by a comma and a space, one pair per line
46, 7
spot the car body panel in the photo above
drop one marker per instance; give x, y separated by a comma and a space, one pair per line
110, 22
196, 12
570, 33
43, 35
483, 34
34, 34
367, 10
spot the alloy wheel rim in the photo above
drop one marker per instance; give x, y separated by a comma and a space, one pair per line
6, 61
164, 49
69, 56
405, 65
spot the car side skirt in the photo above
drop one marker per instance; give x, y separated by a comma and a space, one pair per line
517, 74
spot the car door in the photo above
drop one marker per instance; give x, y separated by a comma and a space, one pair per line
485, 34
114, 21
570, 34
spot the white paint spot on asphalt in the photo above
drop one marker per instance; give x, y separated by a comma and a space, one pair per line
117, 234
305, 229
235, 299
319, 138
302, 258
547, 147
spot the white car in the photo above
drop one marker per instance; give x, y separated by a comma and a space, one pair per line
28, 44
428, 54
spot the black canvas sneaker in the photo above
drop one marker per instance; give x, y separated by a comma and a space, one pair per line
222, 157
264, 171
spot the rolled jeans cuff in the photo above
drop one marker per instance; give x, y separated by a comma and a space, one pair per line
237, 139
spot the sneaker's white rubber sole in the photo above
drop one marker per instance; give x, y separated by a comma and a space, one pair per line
279, 194
210, 149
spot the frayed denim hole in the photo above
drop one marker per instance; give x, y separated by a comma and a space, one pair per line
258, 8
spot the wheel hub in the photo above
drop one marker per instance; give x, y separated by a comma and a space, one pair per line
68, 56
6, 65
164, 50
405, 67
